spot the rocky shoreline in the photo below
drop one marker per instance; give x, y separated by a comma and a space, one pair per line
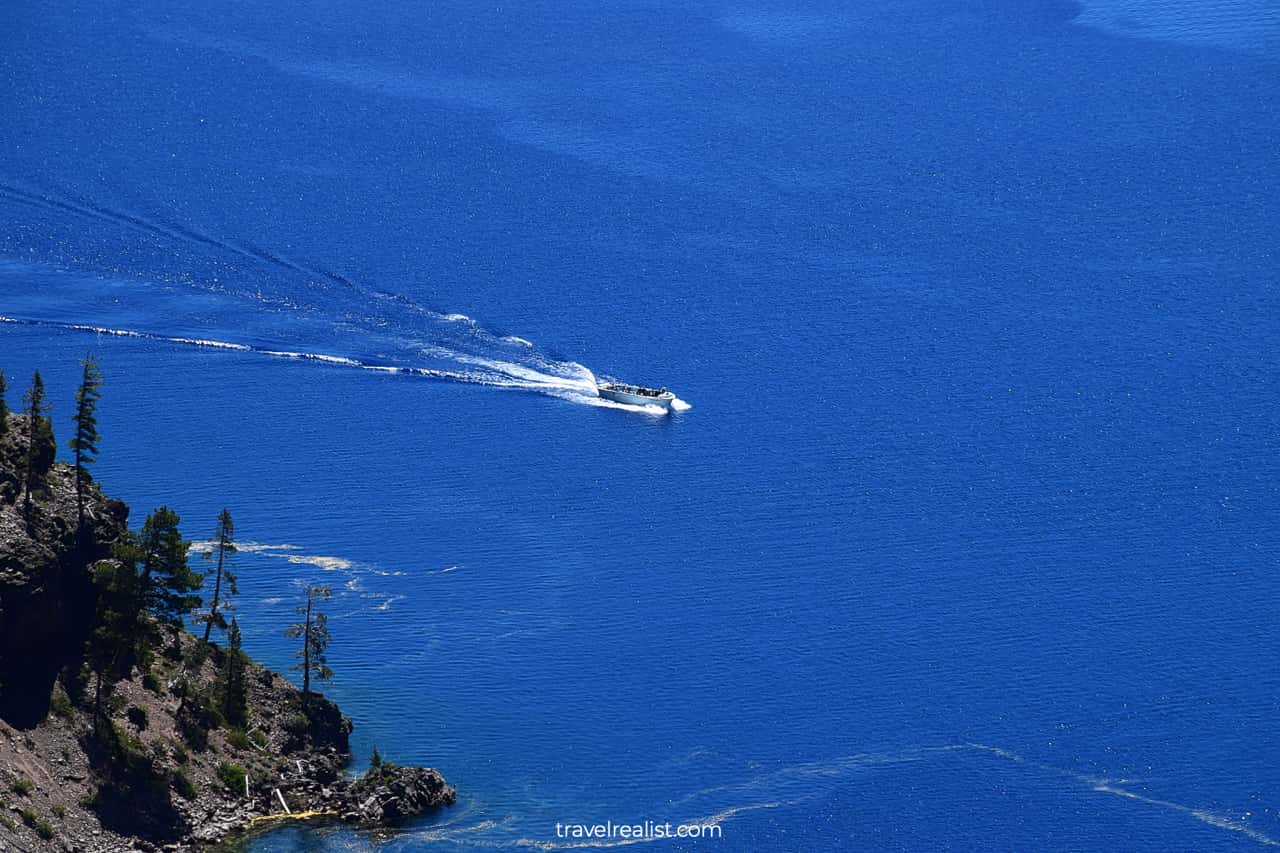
157, 767
383, 798
183, 801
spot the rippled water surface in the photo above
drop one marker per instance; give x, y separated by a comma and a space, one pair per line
965, 534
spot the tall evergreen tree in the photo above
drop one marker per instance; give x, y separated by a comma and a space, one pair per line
167, 583
41, 448
147, 584
235, 691
125, 584
314, 631
224, 546
84, 444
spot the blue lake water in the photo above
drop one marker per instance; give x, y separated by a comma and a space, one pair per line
968, 537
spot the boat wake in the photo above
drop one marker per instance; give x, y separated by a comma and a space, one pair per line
492, 373
141, 274
382, 332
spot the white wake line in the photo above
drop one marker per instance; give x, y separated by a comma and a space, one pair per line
841, 768
1108, 786
503, 374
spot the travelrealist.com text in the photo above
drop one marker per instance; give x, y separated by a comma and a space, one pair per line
644, 831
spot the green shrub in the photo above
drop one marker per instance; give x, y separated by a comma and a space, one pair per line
196, 655
7, 823
60, 704
23, 786
259, 737
59, 811
238, 739
132, 747
298, 725
43, 828
297, 730
184, 786
232, 776
150, 682
197, 717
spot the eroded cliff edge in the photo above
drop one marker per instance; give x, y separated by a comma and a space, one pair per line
160, 770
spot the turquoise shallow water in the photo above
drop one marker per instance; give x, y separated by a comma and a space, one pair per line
968, 537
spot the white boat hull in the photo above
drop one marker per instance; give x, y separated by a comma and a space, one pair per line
662, 401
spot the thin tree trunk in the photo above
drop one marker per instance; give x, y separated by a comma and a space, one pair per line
79, 492
31, 449
97, 703
217, 590
306, 652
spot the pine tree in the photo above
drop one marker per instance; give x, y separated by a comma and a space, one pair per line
235, 691
85, 442
167, 583
314, 631
41, 448
147, 584
223, 547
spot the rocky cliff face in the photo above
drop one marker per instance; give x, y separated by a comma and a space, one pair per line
168, 773
46, 594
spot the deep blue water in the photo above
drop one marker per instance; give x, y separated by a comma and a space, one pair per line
969, 538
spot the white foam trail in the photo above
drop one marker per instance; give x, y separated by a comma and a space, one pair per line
579, 387
282, 552
506, 374
200, 342
1107, 786
329, 564
245, 547
315, 356
584, 381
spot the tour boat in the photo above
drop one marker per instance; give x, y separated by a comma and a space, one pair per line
636, 395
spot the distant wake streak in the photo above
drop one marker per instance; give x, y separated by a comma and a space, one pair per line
233, 295
1112, 786
801, 783
496, 373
